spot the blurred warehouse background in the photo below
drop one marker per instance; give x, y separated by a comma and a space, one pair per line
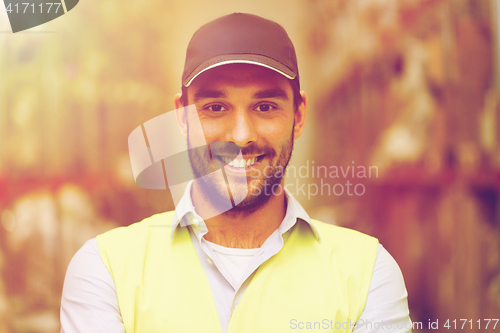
407, 88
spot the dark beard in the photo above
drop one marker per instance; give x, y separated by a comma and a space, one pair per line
257, 195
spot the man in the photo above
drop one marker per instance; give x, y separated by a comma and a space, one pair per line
241, 254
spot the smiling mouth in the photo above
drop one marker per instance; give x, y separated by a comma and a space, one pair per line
241, 163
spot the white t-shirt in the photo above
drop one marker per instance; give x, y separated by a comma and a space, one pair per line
235, 260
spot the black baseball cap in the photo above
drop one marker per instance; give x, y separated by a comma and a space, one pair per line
240, 38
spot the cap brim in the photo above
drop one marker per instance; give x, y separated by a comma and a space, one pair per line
253, 59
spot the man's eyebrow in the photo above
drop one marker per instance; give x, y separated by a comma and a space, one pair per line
208, 93
271, 93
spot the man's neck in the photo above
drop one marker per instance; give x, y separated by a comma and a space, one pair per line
244, 230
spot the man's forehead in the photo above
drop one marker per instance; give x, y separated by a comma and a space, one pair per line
263, 93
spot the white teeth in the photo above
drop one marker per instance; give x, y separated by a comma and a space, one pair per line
239, 163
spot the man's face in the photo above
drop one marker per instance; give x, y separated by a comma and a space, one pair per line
251, 107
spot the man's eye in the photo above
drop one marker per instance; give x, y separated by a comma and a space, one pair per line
215, 108
265, 107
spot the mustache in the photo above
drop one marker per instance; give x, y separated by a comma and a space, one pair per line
201, 163
232, 150
258, 150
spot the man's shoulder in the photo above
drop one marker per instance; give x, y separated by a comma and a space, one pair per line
158, 224
157, 220
332, 230
345, 239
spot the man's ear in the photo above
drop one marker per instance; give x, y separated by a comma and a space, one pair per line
300, 117
180, 115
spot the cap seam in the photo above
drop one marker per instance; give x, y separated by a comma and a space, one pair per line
212, 61
229, 61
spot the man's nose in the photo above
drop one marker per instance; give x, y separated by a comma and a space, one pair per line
241, 128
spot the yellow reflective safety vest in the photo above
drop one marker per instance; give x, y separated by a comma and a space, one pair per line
161, 285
